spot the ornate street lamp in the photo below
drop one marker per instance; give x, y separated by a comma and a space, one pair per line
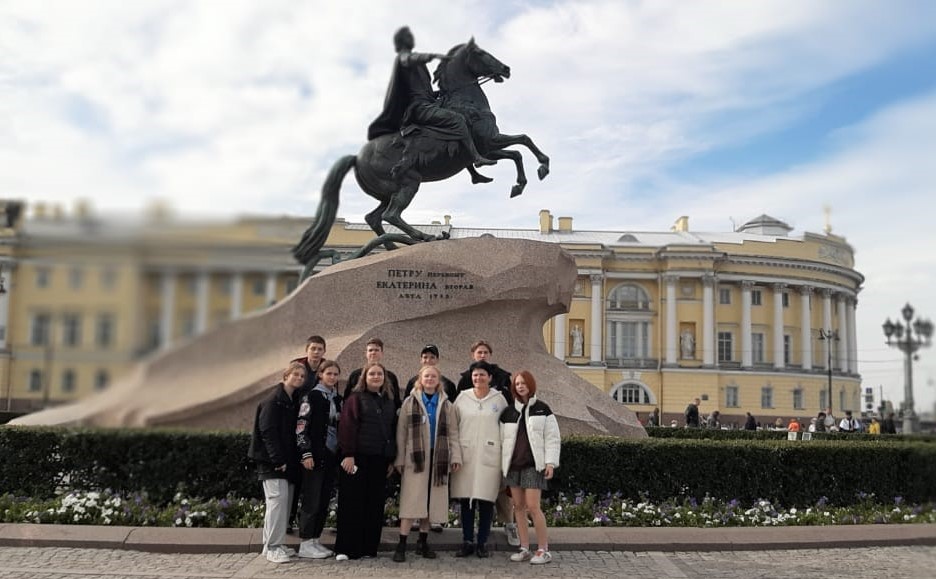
901, 336
831, 336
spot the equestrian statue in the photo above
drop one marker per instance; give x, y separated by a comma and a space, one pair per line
421, 135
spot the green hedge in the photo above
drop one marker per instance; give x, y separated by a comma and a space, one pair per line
718, 434
37, 461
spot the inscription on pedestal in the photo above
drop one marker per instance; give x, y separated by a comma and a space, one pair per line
420, 284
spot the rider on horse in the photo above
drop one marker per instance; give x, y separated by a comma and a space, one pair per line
411, 101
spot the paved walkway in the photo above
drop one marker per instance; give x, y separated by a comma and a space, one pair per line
171, 540
79, 552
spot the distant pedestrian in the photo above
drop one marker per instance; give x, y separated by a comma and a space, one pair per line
714, 420
889, 426
849, 424
820, 421
874, 427
692, 414
750, 423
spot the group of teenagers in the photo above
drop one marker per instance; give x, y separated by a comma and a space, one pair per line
486, 441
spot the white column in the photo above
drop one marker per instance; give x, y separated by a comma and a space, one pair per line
5, 305
746, 352
778, 361
237, 295
708, 320
806, 326
671, 329
852, 336
202, 285
271, 288
559, 335
167, 311
596, 317
843, 334
827, 326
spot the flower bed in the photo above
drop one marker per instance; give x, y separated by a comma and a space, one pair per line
564, 510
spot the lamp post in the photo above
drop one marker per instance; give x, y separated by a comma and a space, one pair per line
829, 336
902, 337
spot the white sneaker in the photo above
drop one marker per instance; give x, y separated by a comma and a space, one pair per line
541, 558
277, 555
341, 557
290, 552
324, 552
513, 537
523, 555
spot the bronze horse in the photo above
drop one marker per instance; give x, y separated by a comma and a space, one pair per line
428, 159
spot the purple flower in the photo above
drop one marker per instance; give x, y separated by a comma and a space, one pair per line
898, 500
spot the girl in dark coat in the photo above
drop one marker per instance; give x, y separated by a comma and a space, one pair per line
367, 447
273, 448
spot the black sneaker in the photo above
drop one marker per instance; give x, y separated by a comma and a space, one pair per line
466, 549
482, 551
399, 556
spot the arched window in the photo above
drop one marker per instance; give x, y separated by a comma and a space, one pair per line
632, 392
628, 297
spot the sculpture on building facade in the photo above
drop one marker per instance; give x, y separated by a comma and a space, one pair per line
687, 345
421, 135
577, 340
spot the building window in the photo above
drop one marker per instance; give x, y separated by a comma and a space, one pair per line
724, 296
731, 397
71, 330
291, 285
39, 332
757, 348
628, 340
188, 324
2, 333
823, 399
724, 346
787, 349
155, 334
631, 393
101, 380
108, 278
756, 298
75, 278
766, 397
843, 400
227, 285
259, 287
43, 277
628, 297
104, 334
785, 298
68, 381
35, 381
798, 399
191, 284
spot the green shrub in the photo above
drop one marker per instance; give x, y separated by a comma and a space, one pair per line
38, 462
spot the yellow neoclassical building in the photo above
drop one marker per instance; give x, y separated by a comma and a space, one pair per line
657, 318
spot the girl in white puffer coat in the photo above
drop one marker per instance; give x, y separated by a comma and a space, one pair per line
530, 450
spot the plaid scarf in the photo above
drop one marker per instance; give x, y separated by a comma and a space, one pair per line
416, 415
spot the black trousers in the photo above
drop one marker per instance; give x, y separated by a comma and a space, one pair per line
317, 486
361, 500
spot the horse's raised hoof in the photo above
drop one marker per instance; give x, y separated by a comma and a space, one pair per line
478, 178
516, 190
543, 171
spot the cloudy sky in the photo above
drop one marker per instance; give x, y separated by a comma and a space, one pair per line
649, 110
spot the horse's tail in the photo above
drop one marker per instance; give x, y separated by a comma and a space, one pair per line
306, 251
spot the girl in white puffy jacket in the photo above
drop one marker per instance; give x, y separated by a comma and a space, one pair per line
530, 454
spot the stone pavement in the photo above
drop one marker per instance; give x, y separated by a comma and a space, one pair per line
89, 552
870, 562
